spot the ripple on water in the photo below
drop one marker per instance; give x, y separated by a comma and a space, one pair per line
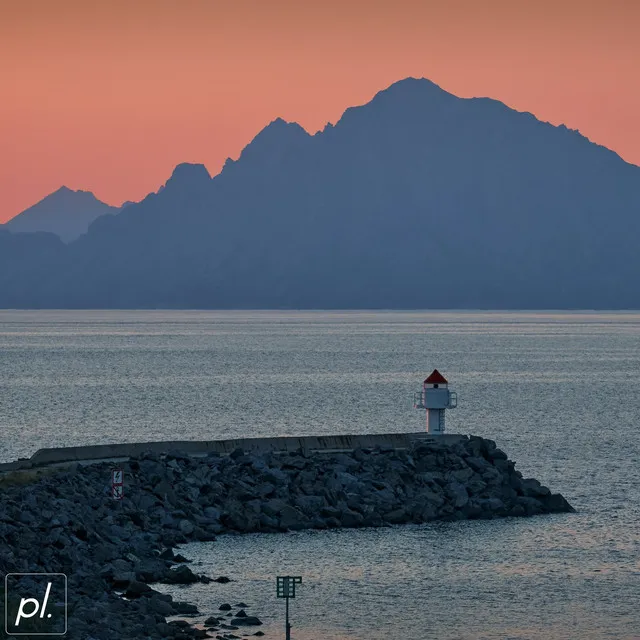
468, 580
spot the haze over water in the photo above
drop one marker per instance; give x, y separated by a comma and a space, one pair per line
559, 392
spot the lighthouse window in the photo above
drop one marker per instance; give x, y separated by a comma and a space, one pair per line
435, 386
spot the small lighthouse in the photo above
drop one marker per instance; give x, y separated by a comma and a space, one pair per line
435, 397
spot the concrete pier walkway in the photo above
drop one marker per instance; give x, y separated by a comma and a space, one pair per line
124, 451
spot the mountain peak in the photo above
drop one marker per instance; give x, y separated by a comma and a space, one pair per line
413, 87
277, 137
189, 175
65, 195
278, 122
65, 212
413, 92
191, 170
280, 129
413, 98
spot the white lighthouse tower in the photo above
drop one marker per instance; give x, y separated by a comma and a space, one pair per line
435, 397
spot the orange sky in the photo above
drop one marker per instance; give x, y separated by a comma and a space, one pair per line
109, 95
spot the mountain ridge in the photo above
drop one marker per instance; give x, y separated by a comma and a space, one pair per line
483, 205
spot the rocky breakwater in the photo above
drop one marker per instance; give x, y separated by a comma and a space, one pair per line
112, 551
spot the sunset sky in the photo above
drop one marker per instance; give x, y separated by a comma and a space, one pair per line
109, 95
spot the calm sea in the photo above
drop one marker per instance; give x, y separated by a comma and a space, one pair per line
560, 392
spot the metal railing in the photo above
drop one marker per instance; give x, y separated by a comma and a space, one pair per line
418, 400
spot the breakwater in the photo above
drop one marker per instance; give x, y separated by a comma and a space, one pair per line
67, 522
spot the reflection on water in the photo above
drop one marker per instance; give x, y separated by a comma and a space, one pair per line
511, 578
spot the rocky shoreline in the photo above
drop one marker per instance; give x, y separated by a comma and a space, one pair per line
113, 550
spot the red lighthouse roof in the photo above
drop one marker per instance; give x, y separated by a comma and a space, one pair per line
435, 377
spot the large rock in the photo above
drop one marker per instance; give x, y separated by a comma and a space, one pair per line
186, 527
556, 503
457, 493
310, 505
531, 488
397, 516
350, 518
181, 575
247, 621
292, 518
274, 507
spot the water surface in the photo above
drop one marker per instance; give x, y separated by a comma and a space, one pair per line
560, 392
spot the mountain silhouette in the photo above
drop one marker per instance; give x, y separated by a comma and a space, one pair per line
417, 199
65, 212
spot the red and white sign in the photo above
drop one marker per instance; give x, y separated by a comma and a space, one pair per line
117, 484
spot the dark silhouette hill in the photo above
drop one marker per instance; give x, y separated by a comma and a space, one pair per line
418, 199
65, 212
24, 258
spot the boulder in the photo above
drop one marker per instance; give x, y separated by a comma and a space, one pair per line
349, 518
461, 475
310, 505
477, 463
135, 589
185, 608
457, 493
531, 488
556, 503
531, 506
397, 516
122, 578
274, 507
292, 518
186, 527
247, 621
158, 605
180, 575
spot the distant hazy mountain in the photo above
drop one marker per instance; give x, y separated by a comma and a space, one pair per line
64, 212
418, 199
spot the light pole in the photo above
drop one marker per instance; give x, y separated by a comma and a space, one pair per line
286, 588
